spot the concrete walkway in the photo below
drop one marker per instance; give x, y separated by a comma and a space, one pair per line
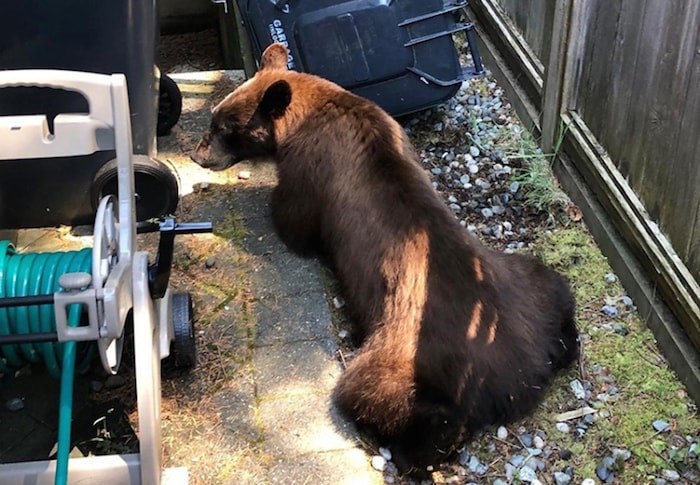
294, 357
285, 404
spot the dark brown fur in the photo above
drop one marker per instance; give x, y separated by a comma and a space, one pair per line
455, 336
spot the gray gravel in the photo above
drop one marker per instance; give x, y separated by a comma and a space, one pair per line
461, 147
14, 404
660, 425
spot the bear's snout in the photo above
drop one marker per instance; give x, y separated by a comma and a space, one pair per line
211, 155
200, 154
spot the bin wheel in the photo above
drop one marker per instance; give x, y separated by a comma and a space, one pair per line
156, 186
183, 349
169, 105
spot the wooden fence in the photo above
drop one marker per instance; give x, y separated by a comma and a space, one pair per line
616, 85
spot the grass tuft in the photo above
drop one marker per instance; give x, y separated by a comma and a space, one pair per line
535, 175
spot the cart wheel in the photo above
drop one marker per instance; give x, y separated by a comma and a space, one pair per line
169, 105
183, 349
156, 186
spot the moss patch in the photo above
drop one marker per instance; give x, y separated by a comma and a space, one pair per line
232, 228
628, 362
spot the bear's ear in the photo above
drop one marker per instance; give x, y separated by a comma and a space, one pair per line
276, 99
274, 57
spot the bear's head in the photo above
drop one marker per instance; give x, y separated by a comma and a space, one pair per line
242, 125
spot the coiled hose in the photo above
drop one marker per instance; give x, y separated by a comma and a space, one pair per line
37, 274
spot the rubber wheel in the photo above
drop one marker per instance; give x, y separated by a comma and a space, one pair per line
169, 105
183, 349
156, 186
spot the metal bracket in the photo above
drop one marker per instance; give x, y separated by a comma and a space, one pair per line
459, 5
159, 271
443, 33
221, 2
282, 5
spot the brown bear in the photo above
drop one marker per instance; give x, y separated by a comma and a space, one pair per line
455, 337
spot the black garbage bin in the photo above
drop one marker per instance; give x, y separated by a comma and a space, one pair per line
82, 35
399, 54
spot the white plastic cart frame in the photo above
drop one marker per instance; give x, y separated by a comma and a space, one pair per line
119, 280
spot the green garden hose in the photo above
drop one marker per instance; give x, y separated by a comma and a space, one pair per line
37, 274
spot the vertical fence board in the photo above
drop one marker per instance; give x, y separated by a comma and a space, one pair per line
683, 190
676, 174
554, 75
530, 17
641, 119
589, 16
622, 74
662, 111
598, 51
692, 257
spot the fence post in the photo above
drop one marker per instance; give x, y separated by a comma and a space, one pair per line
554, 83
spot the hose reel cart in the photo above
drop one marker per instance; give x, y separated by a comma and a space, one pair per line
49, 302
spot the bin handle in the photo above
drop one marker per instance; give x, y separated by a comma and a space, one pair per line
466, 72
